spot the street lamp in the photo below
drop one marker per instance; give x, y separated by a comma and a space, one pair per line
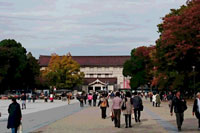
193, 67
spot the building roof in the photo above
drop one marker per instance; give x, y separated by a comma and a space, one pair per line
90, 61
111, 81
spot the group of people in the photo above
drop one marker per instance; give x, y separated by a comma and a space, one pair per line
91, 97
24, 97
127, 104
156, 100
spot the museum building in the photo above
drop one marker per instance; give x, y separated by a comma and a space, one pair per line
101, 72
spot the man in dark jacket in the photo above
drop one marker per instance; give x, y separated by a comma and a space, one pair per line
15, 116
136, 102
94, 99
179, 106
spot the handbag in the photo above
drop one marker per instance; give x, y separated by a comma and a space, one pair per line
112, 116
141, 107
184, 106
20, 128
133, 116
123, 106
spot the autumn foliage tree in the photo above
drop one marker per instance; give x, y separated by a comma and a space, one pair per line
63, 72
178, 48
170, 64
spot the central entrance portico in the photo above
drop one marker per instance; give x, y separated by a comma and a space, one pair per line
99, 84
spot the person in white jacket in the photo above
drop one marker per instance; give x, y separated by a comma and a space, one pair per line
154, 99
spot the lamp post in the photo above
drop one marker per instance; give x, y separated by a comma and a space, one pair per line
193, 67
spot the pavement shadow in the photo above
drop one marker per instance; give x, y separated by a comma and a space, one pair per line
189, 125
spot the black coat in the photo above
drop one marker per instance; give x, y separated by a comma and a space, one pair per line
136, 101
94, 97
15, 115
178, 105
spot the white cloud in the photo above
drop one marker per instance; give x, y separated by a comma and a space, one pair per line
78, 25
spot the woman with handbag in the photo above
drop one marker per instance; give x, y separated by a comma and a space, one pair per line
127, 109
196, 108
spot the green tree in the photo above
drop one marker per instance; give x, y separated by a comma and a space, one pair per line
13, 62
138, 67
63, 72
31, 72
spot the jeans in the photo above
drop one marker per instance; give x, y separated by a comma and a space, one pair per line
14, 130
128, 120
90, 102
137, 115
94, 102
117, 114
23, 104
179, 119
103, 112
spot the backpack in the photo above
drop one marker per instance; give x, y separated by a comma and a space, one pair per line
104, 103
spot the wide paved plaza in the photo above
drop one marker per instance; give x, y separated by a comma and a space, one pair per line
59, 117
153, 120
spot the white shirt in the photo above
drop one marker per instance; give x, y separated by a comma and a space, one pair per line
154, 98
198, 104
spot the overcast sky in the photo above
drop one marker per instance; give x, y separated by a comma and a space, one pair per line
83, 27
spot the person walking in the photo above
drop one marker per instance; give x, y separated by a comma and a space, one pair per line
150, 96
94, 99
169, 99
158, 101
128, 109
51, 97
15, 116
196, 109
81, 99
137, 103
154, 99
69, 96
179, 106
116, 109
34, 97
29, 97
90, 97
23, 99
103, 103
85, 98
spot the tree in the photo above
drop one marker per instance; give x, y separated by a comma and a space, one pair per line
177, 49
13, 62
31, 72
63, 72
139, 66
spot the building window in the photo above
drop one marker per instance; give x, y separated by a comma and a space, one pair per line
91, 75
106, 75
98, 75
91, 68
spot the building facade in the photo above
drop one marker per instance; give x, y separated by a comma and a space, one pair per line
101, 72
